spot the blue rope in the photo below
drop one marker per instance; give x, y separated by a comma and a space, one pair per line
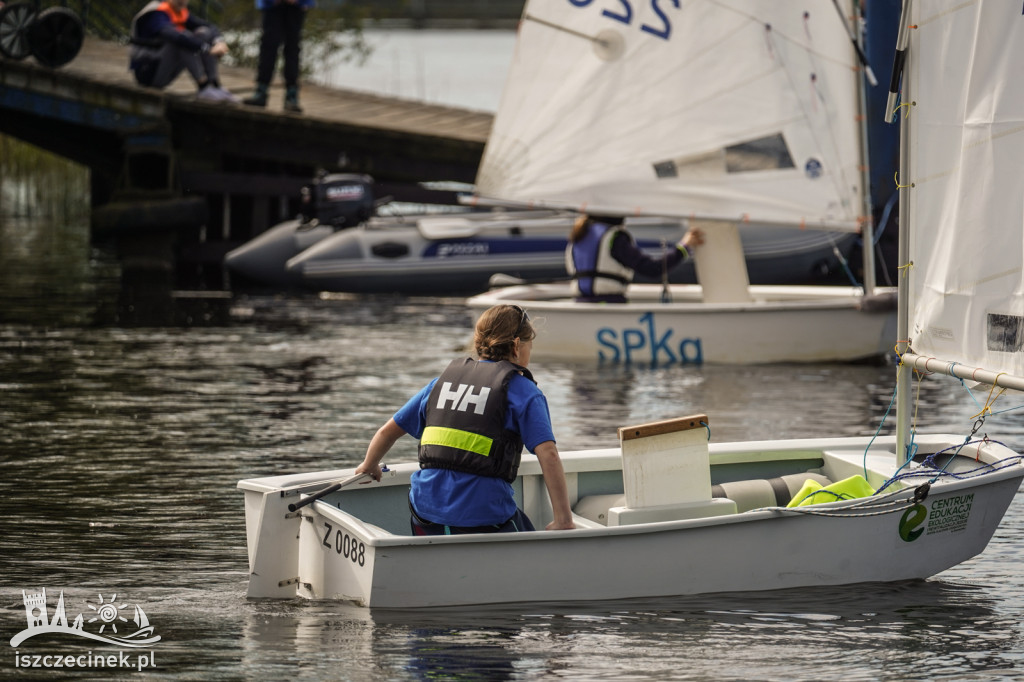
842, 261
966, 388
896, 476
971, 393
877, 431
913, 448
1008, 409
822, 491
963, 475
884, 220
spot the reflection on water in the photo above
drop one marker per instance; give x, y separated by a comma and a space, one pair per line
122, 447
870, 632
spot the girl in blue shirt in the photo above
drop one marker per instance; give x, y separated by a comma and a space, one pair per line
445, 501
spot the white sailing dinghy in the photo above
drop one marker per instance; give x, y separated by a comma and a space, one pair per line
667, 513
728, 113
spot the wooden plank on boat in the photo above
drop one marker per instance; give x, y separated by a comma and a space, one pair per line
666, 426
666, 463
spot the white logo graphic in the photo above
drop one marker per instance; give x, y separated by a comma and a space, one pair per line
462, 249
114, 627
813, 169
344, 192
464, 393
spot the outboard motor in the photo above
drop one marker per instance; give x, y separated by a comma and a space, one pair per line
339, 200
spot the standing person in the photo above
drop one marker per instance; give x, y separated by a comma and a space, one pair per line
472, 423
602, 258
282, 24
167, 39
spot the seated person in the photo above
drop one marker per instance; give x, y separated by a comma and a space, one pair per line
602, 257
469, 456
166, 39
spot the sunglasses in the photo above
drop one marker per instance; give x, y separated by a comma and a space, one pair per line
522, 320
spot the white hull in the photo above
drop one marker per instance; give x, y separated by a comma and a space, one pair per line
355, 544
779, 324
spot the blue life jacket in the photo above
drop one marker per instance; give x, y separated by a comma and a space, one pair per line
590, 262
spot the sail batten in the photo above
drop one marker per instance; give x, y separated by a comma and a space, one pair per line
664, 113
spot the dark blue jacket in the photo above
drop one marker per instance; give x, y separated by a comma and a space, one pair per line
268, 4
154, 27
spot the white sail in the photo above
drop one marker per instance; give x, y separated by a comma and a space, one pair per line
965, 186
736, 110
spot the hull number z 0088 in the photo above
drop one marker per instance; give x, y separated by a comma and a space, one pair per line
344, 544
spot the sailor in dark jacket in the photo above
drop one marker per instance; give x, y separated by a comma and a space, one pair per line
167, 39
602, 258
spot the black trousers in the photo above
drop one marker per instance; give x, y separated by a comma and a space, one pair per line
282, 24
518, 523
158, 67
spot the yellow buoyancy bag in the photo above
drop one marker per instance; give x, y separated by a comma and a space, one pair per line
847, 489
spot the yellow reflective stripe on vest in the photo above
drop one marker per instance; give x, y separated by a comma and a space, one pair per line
457, 438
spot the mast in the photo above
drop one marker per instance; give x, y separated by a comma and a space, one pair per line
903, 376
868, 232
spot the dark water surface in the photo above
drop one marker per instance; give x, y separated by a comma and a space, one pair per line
121, 448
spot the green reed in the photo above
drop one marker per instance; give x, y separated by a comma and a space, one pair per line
35, 184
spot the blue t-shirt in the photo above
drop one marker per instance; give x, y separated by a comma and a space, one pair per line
455, 498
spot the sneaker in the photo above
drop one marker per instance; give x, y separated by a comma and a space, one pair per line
209, 94
291, 100
212, 93
226, 96
256, 99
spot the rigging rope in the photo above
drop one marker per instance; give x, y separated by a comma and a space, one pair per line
905, 498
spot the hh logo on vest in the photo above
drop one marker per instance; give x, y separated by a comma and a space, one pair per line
462, 397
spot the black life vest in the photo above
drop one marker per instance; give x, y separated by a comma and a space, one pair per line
465, 421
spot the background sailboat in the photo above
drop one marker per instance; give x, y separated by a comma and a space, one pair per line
726, 110
727, 113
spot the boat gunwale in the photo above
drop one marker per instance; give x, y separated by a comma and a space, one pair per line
839, 448
573, 460
765, 298
386, 539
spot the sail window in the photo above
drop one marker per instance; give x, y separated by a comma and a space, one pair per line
1005, 332
666, 169
764, 153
